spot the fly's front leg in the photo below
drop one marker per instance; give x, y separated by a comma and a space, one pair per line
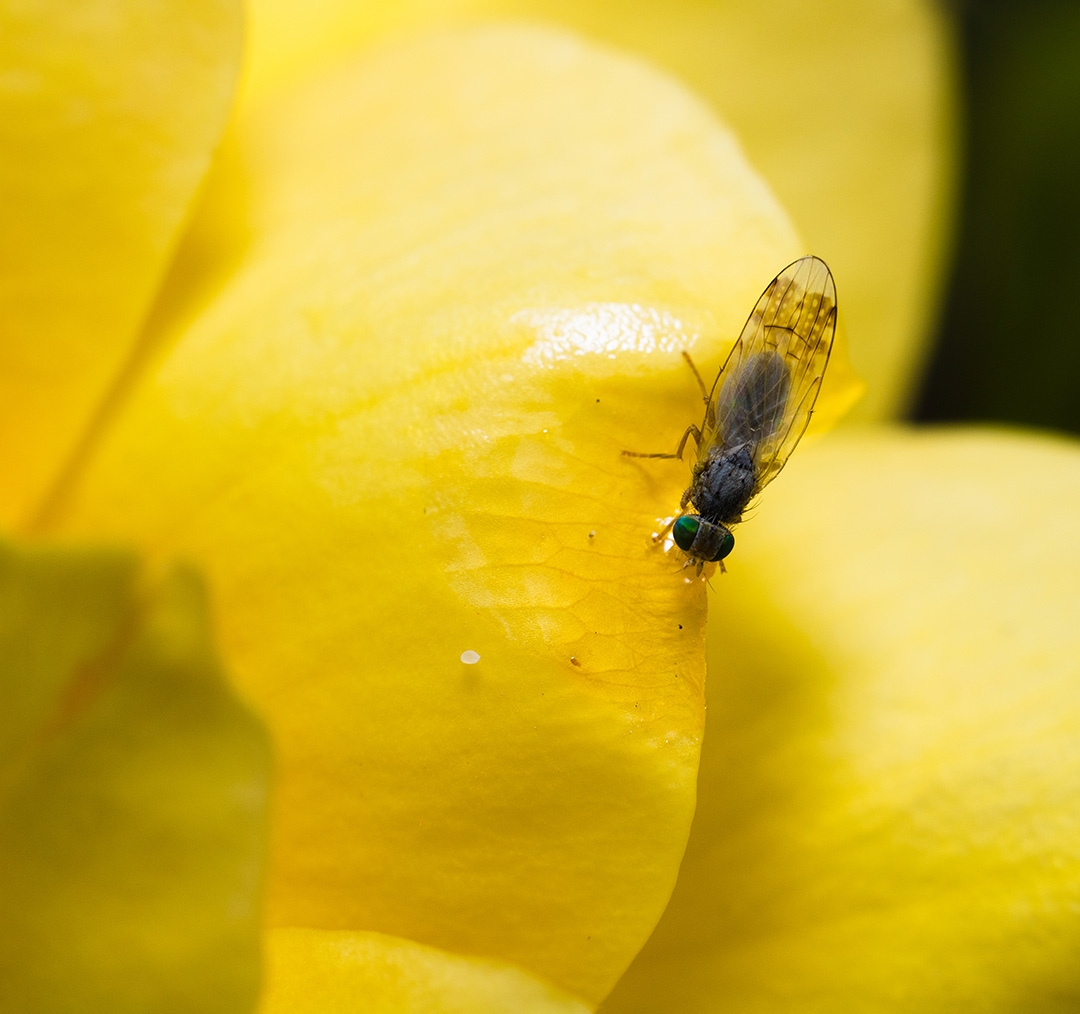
663, 533
691, 431
684, 501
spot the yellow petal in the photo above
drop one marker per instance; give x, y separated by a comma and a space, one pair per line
109, 111
394, 441
847, 109
132, 796
891, 776
326, 972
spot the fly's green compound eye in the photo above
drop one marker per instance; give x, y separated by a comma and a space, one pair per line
727, 544
684, 531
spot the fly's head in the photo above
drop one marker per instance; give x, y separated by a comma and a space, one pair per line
704, 541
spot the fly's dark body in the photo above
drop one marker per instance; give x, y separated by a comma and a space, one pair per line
725, 476
723, 486
758, 408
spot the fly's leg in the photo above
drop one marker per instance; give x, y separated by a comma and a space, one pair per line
691, 431
683, 502
697, 377
663, 533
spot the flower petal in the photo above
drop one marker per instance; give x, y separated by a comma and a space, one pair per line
394, 441
327, 972
132, 796
109, 111
891, 776
847, 109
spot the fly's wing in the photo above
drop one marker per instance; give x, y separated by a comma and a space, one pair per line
764, 395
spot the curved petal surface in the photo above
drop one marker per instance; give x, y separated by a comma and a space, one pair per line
848, 110
890, 787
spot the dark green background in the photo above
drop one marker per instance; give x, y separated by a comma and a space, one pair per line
1008, 342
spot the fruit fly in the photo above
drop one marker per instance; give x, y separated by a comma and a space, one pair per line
757, 409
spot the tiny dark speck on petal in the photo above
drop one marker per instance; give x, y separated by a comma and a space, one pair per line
574, 661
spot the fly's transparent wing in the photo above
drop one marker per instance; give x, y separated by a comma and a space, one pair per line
764, 395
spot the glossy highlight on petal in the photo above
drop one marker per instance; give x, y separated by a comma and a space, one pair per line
848, 111
603, 329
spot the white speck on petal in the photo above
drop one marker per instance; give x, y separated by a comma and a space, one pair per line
470, 657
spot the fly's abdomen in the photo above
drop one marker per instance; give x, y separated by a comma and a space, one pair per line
753, 402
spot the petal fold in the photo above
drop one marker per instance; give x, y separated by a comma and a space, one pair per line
323, 972
109, 112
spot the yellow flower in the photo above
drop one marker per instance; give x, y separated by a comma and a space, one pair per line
426, 298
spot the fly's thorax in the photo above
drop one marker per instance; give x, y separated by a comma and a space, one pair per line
723, 485
701, 539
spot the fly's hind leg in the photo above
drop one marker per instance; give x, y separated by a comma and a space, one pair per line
691, 431
697, 377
